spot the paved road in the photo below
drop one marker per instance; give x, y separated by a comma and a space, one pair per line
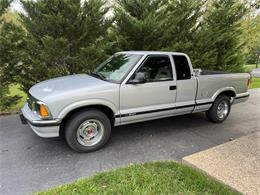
30, 163
256, 73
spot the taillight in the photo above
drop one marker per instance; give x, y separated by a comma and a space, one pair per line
248, 82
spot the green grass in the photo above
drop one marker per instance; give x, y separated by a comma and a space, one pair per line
255, 83
14, 90
249, 67
149, 178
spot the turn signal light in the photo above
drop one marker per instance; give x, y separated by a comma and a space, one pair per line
43, 111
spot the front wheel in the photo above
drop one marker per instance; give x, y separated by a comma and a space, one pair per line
87, 130
219, 110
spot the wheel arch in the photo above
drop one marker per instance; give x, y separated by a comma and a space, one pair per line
229, 91
108, 111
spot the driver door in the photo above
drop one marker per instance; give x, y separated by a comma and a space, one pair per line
153, 99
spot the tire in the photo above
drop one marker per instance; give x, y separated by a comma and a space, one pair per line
214, 113
87, 130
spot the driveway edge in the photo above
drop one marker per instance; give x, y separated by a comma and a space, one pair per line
235, 163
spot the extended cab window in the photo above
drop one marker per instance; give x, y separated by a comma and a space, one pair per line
182, 67
157, 68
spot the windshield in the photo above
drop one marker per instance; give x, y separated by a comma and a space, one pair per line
117, 66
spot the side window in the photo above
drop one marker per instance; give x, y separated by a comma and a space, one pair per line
157, 68
182, 67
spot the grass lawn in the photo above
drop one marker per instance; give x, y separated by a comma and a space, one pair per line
149, 178
14, 90
255, 83
249, 67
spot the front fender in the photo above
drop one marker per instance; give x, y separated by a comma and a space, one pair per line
89, 102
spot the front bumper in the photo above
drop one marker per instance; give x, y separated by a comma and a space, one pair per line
43, 128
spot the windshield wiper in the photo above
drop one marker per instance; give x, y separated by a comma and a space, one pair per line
98, 75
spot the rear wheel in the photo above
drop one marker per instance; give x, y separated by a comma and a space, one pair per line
87, 130
219, 110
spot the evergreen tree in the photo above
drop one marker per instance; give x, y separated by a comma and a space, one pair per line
9, 42
251, 39
218, 45
181, 25
157, 25
138, 24
62, 37
4, 4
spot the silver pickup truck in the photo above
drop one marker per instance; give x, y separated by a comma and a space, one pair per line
129, 87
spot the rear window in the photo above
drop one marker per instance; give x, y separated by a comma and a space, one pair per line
182, 67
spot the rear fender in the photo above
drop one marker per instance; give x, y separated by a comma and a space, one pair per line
222, 90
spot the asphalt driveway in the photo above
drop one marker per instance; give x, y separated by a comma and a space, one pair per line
30, 163
256, 73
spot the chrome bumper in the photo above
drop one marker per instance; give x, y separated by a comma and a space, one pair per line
43, 128
241, 98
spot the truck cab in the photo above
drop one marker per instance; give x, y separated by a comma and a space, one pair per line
168, 88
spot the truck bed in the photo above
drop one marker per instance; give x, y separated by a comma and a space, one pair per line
211, 72
213, 82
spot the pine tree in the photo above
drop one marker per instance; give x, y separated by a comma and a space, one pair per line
158, 25
181, 25
137, 24
218, 45
4, 4
9, 42
251, 39
62, 37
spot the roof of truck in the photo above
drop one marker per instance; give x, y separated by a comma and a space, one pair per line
153, 52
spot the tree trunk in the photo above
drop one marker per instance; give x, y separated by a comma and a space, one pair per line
257, 60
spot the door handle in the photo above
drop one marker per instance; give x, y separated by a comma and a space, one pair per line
173, 87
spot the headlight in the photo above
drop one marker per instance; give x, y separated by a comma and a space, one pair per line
38, 107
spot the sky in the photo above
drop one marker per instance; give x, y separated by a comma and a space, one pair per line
16, 6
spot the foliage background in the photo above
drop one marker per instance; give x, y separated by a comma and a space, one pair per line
53, 38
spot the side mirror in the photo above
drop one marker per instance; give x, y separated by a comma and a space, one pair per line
139, 78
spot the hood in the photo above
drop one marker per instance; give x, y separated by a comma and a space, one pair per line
66, 85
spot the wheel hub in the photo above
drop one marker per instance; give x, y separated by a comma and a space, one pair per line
222, 109
90, 132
